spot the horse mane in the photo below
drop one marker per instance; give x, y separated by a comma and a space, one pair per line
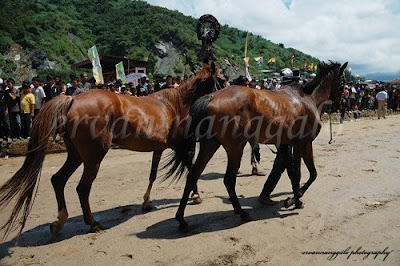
188, 91
323, 70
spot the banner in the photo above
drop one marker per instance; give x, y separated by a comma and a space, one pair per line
271, 61
120, 71
259, 60
95, 59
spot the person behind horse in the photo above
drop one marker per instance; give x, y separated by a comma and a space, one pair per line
255, 147
27, 106
51, 89
141, 88
284, 154
4, 120
40, 96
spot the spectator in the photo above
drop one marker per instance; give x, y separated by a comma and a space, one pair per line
274, 85
260, 84
125, 91
27, 107
141, 88
157, 83
4, 120
74, 89
352, 95
382, 97
168, 83
84, 84
40, 96
177, 82
51, 89
13, 97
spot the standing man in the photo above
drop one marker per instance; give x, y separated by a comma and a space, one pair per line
168, 83
27, 106
84, 84
141, 88
51, 89
40, 96
13, 96
74, 89
382, 97
4, 120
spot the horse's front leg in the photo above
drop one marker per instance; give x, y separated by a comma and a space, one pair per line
308, 158
234, 158
146, 205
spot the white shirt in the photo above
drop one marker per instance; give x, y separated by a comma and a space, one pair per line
382, 96
39, 95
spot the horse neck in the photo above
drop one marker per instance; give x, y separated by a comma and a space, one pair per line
323, 91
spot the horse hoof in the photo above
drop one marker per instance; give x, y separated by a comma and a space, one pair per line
196, 199
183, 226
95, 227
244, 215
299, 205
146, 206
288, 202
55, 228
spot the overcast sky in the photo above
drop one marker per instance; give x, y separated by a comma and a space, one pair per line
364, 32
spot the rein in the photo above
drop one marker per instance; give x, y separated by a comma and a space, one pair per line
342, 82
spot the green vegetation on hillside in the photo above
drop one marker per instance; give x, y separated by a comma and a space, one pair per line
65, 29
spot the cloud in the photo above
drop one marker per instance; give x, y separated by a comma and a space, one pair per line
363, 32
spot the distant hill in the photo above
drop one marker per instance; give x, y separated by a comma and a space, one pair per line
50, 35
383, 76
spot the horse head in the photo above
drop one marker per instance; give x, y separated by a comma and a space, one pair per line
327, 82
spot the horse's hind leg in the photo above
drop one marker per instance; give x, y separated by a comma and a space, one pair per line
90, 170
58, 181
206, 152
293, 162
153, 175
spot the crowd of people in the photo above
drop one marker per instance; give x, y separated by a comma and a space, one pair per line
358, 97
19, 106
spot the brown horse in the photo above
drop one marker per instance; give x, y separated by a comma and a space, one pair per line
231, 117
90, 123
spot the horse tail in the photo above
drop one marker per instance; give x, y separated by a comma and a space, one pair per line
181, 158
23, 184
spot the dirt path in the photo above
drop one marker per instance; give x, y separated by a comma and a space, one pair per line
354, 203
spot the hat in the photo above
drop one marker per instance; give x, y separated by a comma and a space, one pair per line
287, 72
26, 83
49, 77
35, 79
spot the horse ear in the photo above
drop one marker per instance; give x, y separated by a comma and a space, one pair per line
213, 67
344, 66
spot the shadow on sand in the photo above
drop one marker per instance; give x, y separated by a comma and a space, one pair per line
75, 226
215, 221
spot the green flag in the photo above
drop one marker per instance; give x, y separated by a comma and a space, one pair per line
120, 72
95, 59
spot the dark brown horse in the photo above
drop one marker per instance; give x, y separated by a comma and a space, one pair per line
231, 117
90, 123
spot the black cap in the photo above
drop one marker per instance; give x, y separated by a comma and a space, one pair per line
26, 83
49, 77
35, 79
